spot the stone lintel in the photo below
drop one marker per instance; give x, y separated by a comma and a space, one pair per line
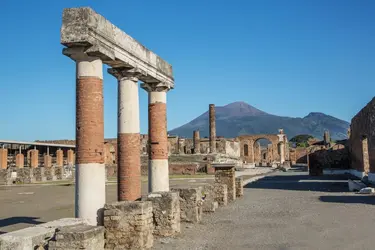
83, 27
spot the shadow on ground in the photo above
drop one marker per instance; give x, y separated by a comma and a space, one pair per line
354, 199
299, 180
19, 219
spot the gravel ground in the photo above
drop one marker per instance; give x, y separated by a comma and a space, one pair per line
286, 210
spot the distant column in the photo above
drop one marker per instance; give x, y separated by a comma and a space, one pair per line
196, 142
70, 157
47, 159
212, 128
59, 158
282, 152
327, 138
34, 161
20, 160
3, 158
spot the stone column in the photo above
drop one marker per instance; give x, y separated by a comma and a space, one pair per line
158, 172
34, 161
70, 157
197, 145
128, 137
327, 138
282, 152
3, 158
90, 168
212, 128
59, 158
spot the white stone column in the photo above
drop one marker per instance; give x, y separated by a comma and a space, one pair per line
158, 171
128, 138
90, 168
282, 152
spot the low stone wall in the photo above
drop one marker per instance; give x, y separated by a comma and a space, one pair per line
49, 172
5, 176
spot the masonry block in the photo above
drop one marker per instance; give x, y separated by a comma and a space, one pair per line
239, 186
36, 237
190, 204
59, 173
166, 212
128, 225
225, 174
49, 172
209, 202
78, 237
221, 194
24, 175
5, 176
39, 174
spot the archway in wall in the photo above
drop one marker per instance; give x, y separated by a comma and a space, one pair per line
262, 151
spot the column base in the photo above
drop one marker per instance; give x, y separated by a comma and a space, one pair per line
158, 176
90, 192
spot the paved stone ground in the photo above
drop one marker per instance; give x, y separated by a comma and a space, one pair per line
24, 206
286, 210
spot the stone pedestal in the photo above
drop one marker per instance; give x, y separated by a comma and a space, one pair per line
190, 204
59, 173
225, 174
39, 174
20, 160
239, 186
221, 194
209, 202
166, 212
3, 158
78, 237
49, 172
128, 225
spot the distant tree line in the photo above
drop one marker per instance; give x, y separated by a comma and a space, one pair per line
301, 140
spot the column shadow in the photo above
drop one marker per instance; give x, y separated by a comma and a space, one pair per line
349, 199
19, 219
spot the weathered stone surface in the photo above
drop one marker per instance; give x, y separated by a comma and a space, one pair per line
225, 174
39, 174
166, 212
6, 176
78, 237
190, 204
209, 202
59, 173
36, 237
128, 225
50, 173
25, 175
83, 26
221, 194
239, 186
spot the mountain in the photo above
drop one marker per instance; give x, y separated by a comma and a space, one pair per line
240, 118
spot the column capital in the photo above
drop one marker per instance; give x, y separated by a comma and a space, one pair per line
155, 87
78, 53
124, 73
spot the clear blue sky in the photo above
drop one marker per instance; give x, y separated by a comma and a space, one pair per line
284, 57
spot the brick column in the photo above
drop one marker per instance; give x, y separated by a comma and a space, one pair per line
47, 161
196, 142
34, 158
70, 157
212, 128
59, 158
158, 173
90, 168
3, 158
20, 160
128, 137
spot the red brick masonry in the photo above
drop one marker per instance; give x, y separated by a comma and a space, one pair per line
129, 172
89, 119
157, 124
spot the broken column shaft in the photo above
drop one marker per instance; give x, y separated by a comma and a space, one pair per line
196, 142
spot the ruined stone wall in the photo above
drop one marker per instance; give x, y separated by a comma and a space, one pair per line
301, 155
232, 148
335, 157
362, 129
